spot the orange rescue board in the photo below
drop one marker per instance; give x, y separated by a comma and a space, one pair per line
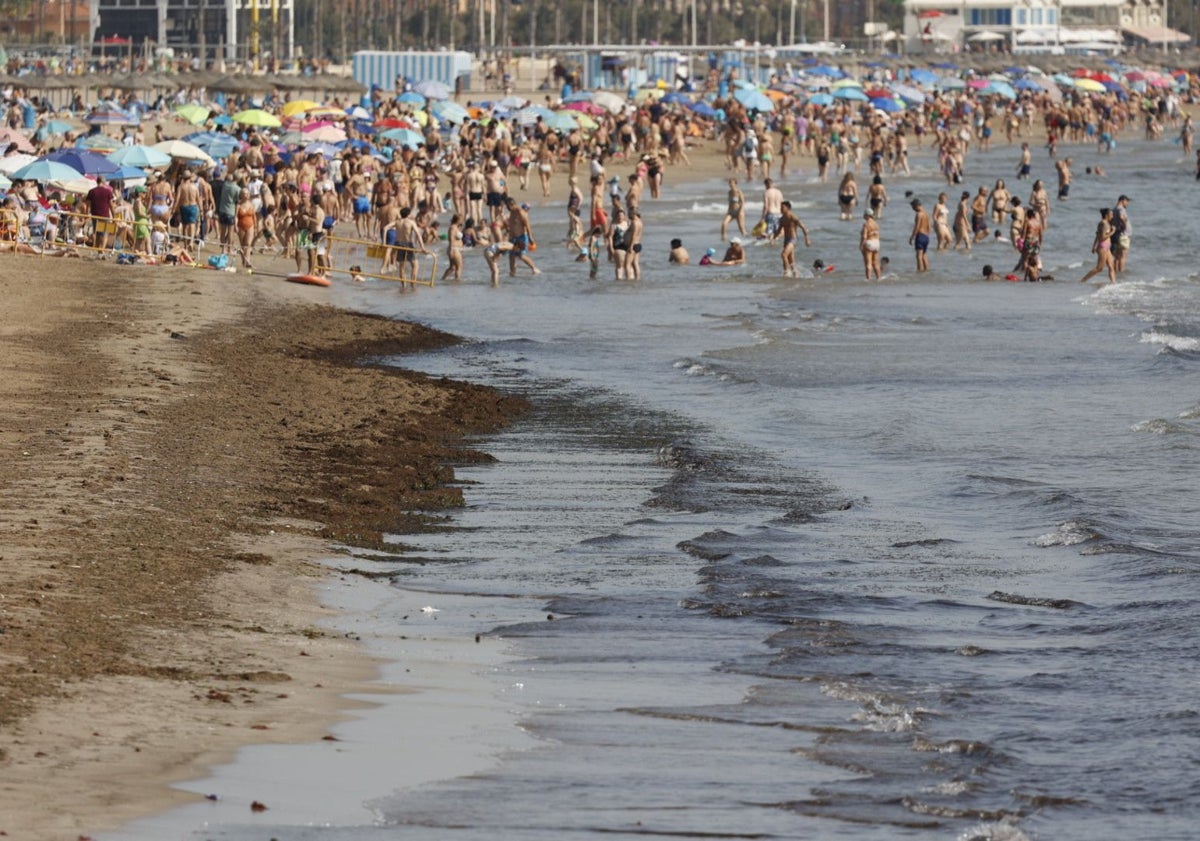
310, 279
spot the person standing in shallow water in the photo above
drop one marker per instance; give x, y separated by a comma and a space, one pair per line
919, 238
868, 244
1102, 248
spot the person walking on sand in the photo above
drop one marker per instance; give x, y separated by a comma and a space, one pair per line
919, 238
790, 225
868, 244
1102, 248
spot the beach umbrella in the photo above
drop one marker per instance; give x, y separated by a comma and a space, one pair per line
111, 118
358, 113
950, 83
194, 114
257, 117
586, 122
11, 163
826, 70
9, 136
512, 103
78, 185
675, 97
561, 121
529, 115
411, 98
404, 137
820, 99
223, 120
578, 96
392, 122
99, 143
432, 89
57, 127
84, 161
977, 84
184, 151
945, 65
1003, 89
298, 106
143, 156
216, 144
845, 83
325, 134
911, 95
449, 112
5, 184
876, 93
1027, 85
421, 117
887, 105
703, 109
609, 101
43, 170
922, 76
127, 173
327, 150
326, 112
855, 94
584, 107
647, 95
1089, 85
755, 100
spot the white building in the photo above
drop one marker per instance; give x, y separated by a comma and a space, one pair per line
1060, 26
226, 28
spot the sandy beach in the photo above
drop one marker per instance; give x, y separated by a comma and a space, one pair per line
179, 446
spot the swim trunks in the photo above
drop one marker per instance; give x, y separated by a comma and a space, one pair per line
189, 214
921, 242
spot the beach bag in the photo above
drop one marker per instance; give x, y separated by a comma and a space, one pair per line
218, 261
760, 230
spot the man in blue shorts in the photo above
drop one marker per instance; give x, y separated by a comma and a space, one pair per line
919, 239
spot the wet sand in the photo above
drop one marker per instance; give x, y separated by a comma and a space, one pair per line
178, 447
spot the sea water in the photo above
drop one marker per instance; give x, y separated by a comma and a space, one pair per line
826, 559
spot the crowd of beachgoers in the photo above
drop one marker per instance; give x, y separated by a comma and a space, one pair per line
266, 171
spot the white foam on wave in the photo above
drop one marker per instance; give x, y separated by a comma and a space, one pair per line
1070, 533
998, 831
1158, 336
1159, 426
877, 713
1190, 414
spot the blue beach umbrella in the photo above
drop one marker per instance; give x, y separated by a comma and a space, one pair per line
43, 170
449, 112
53, 127
325, 150
99, 143
922, 76
405, 137
947, 83
911, 95
128, 173
562, 121
826, 70
851, 93
889, 106
754, 100
1027, 85
411, 98
675, 97
139, 156
84, 161
703, 109
214, 143
1003, 89
820, 99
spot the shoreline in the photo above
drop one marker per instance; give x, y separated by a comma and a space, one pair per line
166, 503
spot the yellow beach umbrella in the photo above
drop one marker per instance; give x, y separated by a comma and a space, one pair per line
257, 117
585, 121
298, 106
324, 112
1090, 85
421, 117
194, 114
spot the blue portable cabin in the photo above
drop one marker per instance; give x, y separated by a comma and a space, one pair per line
381, 67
